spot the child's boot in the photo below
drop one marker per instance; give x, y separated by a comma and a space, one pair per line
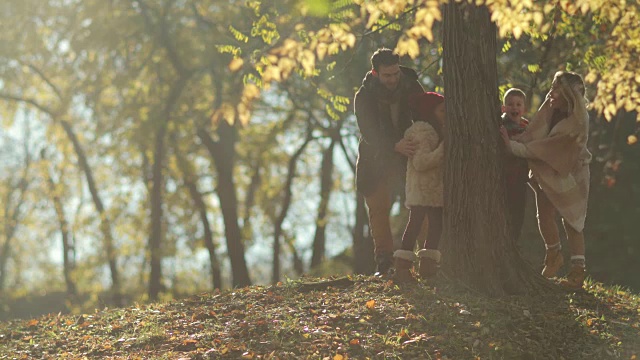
429, 263
403, 263
553, 260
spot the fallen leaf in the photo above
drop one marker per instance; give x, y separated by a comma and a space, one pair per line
371, 304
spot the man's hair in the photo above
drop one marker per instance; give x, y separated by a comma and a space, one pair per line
384, 57
513, 92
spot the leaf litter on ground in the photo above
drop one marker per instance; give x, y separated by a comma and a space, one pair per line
362, 318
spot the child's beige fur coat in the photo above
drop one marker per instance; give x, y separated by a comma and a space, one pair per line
424, 169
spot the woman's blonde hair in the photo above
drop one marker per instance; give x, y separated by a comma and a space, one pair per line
572, 88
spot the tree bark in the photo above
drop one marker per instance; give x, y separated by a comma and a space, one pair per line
156, 237
363, 256
67, 247
326, 185
479, 251
198, 200
223, 154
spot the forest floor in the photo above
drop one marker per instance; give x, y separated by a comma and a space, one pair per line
358, 317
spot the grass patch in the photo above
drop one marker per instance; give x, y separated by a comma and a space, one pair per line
364, 317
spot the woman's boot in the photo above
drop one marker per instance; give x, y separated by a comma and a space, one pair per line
575, 278
429, 263
553, 260
403, 263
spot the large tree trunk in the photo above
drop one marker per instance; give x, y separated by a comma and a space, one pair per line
479, 250
105, 224
223, 153
326, 185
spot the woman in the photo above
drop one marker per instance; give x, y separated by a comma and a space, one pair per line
555, 145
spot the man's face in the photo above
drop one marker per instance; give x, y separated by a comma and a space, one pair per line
389, 76
514, 107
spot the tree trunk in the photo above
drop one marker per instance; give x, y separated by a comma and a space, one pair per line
67, 247
326, 185
12, 216
223, 154
105, 224
156, 233
286, 203
156, 237
479, 250
198, 200
363, 256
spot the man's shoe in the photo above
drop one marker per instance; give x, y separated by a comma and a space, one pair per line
384, 264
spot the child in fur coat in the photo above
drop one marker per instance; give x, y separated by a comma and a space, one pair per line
424, 188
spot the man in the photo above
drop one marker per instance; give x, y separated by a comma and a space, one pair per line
383, 115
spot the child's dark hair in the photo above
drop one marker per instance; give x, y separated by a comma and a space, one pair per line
513, 92
384, 57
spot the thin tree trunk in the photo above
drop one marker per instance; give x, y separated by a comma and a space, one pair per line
326, 185
156, 237
223, 154
479, 252
12, 216
253, 187
67, 248
363, 255
284, 210
198, 200
105, 223
156, 234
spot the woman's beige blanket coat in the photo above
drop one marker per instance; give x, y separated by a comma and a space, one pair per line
559, 160
424, 169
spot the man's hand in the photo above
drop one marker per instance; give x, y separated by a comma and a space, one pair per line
406, 147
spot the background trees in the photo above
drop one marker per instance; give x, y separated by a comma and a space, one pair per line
187, 145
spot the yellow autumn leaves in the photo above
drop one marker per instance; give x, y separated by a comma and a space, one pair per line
617, 85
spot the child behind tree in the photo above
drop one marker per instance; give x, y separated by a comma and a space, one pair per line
517, 170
